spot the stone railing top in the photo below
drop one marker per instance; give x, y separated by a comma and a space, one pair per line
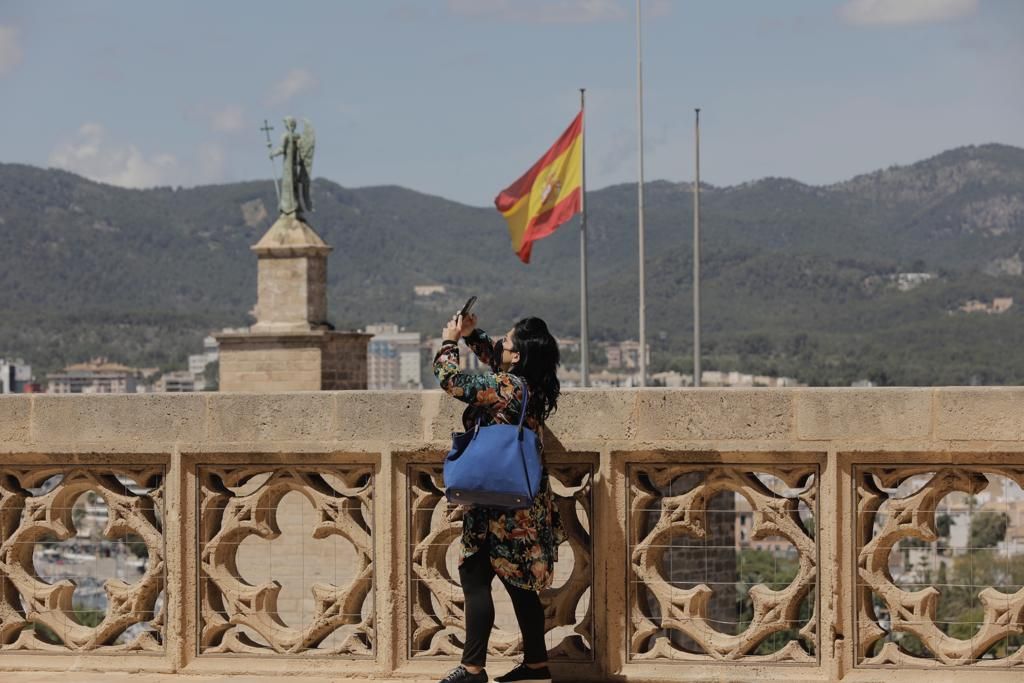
761, 418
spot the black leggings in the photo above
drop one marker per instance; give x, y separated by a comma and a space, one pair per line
477, 574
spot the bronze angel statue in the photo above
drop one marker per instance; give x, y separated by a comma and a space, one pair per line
297, 151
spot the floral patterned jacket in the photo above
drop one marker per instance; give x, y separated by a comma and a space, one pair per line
523, 543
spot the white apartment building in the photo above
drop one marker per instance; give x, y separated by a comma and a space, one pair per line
197, 362
97, 376
625, 355
14, 375
178, 381
394, 358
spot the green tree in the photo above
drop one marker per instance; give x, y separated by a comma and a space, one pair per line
988, 529
943, 524
776, 571
211, 375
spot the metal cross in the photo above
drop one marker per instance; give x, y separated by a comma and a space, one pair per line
270, 146
266, 129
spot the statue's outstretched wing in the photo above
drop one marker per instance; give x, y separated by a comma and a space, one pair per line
307, 143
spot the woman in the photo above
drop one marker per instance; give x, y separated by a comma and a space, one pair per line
520, 547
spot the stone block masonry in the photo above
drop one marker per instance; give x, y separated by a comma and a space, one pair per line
305, 535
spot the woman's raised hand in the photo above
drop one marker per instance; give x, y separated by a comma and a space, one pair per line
458, 327
451, 331
468, 324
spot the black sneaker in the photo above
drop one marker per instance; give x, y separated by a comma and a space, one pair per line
525, 673
461, 675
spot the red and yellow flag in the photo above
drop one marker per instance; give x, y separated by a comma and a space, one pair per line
547, 195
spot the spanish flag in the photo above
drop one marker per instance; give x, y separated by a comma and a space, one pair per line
547, 195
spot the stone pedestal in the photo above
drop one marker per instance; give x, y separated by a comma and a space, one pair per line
291, 346
292, 278
292, 361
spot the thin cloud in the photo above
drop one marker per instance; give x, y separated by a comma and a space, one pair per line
212, 163
539, 11
92, 154
224, 118
621, 150
905, 12
295, 82
10, 49
347, 109
229, 119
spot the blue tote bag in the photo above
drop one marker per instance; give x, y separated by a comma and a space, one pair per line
494, 466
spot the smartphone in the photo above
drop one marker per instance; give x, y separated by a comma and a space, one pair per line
468, 307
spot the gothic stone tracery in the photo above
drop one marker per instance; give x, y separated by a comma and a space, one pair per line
239, 502
914, 613
662, 614
36, 505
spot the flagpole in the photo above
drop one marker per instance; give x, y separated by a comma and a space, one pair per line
584, 323
640, 194
696, 253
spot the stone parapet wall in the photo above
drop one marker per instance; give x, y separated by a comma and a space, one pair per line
359, 583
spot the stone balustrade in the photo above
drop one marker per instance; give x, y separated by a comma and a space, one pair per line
714, 534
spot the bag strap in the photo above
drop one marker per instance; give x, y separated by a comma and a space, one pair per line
522, 413
522, 419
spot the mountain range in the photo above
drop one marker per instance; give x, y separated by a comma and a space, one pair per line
797, 280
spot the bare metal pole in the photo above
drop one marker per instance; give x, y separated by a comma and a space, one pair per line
696, 253
584, 323
640, 194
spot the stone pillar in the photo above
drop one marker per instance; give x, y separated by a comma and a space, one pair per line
291, 346
292, 278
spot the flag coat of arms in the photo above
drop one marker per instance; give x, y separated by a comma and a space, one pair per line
547, 195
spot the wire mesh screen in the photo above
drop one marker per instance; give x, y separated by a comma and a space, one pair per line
723, 562
940, 566
286, 560
82, 552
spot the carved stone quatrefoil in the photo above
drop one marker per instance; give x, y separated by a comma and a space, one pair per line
879, 529
234, 505
27, 519
686, 611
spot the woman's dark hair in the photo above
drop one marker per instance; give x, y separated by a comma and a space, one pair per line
538, 364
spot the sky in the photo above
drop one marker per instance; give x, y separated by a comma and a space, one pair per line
457, 98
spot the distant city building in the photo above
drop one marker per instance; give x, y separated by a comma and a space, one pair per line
198, 362
710, 378
998, 306
15, 377
428, 290
568, 344
393, 358
671, 379
716, 378
571, 378
625, 355
96, 376
177, 381
907, 281
955, 512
